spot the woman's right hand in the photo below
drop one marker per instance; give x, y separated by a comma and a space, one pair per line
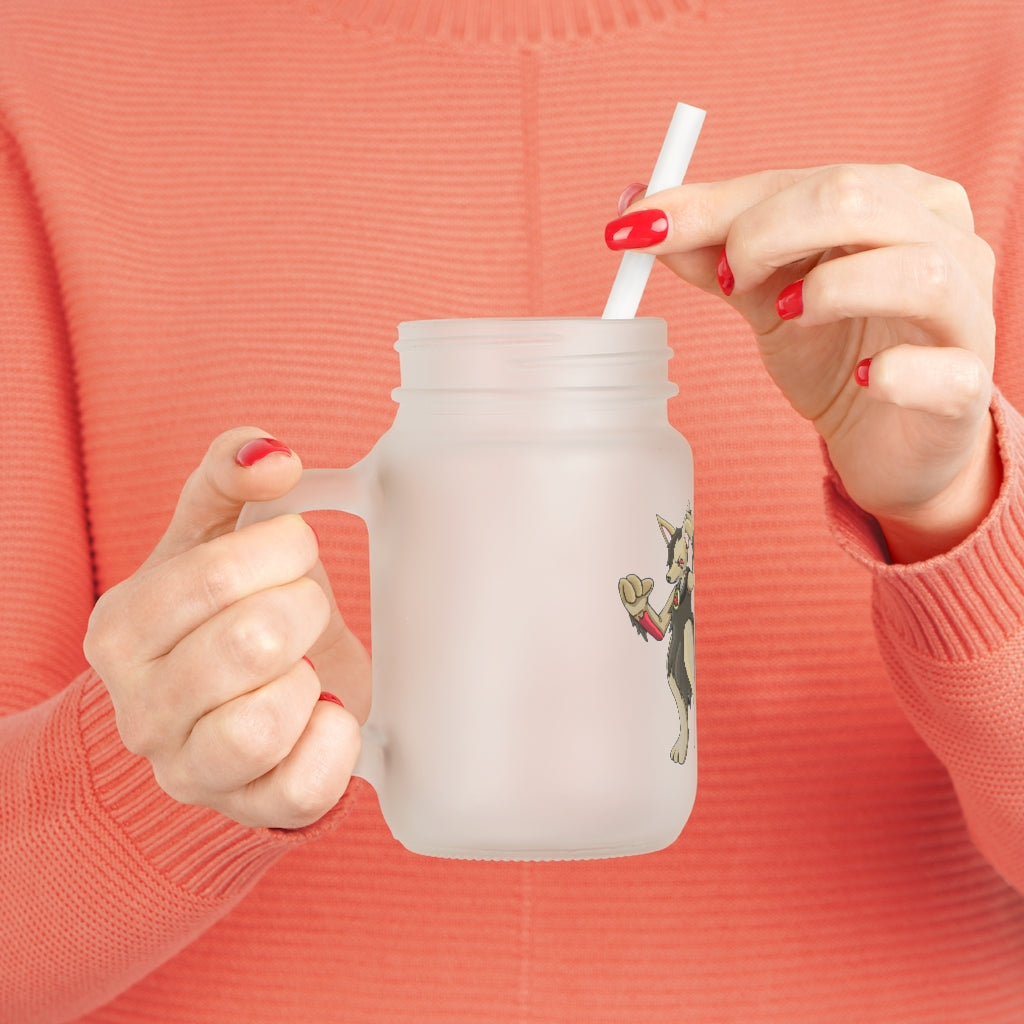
203, 650
871, 300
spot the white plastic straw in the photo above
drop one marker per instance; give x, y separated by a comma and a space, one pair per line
674, 158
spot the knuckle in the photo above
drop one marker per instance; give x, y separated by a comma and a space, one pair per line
326, 764
700, 216
848, 194
314, 604
178, 783
254, 641
827, 291
931, 271
953, 196
779, 179
903, 173
309, 795
104, 641
221, 581
96, 643
749, 245
254, 733
136, 733
985, 257
264, 633
970, 382
309, 613
950, 201
142, 729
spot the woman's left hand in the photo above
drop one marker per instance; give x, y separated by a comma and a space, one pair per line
870, 297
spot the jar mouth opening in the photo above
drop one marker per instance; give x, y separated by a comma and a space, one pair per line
664, 389
535, 355
468, 320
593, 331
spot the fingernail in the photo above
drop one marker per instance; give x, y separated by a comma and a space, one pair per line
790, 303
637, 230
861, 373
724, 274
330, 698
309, 663
629, 195
252, 451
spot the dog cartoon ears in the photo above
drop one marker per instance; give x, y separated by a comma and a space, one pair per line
667, 529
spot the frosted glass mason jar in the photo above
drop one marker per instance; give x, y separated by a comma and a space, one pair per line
530, 519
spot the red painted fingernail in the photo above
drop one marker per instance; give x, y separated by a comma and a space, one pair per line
861, 373
309, 663
790, 303
330, 698
252, 451
629, 195
637, 230
724, 274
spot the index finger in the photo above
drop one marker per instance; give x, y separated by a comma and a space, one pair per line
701, 214
171, 599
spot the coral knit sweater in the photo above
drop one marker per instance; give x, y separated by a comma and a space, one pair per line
215, 213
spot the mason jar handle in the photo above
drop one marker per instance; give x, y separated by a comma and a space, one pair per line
331, 490
339, 490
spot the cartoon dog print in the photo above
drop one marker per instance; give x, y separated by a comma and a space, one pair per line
675, 620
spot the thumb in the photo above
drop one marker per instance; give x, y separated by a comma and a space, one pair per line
241, 465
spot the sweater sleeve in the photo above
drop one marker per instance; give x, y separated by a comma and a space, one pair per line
951, 630
102, 876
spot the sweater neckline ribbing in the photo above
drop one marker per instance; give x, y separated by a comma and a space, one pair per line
520, 22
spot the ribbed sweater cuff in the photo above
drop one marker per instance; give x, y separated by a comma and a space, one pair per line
964, 603
196, 849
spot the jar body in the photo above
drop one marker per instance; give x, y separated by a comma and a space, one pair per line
523, 710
